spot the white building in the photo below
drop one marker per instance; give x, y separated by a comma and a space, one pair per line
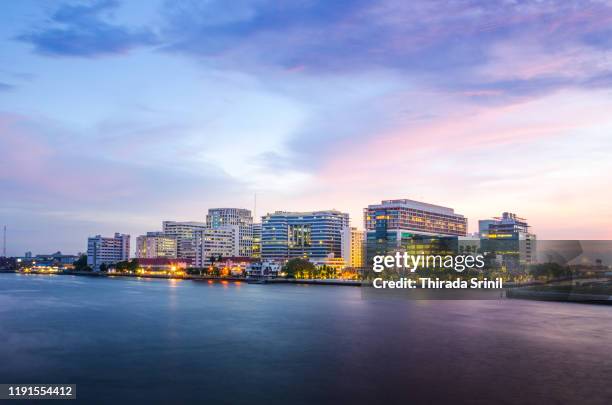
263, 269
185, 235
353, 247
215, 243
102, 250
156, 245
240, 217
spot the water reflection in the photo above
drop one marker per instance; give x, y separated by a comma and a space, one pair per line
177, 340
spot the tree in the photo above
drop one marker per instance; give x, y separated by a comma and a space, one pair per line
327, 271
103, 267
298, 266
81, 264
194, 270
127, 265
121, 266
132, 265
549, 271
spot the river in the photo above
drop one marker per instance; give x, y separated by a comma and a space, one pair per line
177, 341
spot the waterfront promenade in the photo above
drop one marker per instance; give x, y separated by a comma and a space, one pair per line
528, 291
194, 277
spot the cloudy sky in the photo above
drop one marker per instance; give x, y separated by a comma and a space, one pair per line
117, 115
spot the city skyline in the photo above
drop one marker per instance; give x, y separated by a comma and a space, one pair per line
117, 115
209, 225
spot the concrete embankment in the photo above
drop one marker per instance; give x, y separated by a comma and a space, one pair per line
352, 283
524, 293
196, 277
512, 293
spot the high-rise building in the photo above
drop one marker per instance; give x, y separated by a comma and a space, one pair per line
216, 243
353, 247
509, 236
483, 227
508, 224
311, 235
185, 235
155, 245
256, 241
218, 217
102, 250
414, 217
409, 225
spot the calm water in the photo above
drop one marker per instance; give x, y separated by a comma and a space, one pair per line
143, 340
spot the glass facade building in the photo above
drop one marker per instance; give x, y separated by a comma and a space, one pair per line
509, 237
413, 226
310, 235
256, 241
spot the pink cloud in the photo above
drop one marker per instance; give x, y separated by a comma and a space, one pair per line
486, 160
45, 168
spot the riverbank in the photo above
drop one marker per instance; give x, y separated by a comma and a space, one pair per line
192, 277
558, 296
524, 292
351, 283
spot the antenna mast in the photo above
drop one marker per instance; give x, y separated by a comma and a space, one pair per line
4, 242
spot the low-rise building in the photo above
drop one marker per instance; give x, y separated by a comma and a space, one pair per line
336, 263
235, 266
162, 266
49, 263
264, 269
55, 259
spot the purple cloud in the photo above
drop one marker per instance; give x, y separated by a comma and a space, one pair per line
443, 43
80, 30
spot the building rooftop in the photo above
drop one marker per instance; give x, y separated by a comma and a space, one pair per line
195, 223
297, 213
407, 203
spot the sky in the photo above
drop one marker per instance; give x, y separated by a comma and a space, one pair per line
116, 115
